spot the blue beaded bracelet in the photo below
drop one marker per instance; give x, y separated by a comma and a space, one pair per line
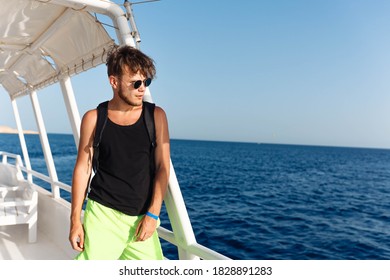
152, 215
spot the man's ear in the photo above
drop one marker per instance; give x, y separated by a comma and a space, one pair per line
114, 82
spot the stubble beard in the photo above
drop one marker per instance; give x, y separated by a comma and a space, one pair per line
126, 99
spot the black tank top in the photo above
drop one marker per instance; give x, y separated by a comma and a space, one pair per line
123, 180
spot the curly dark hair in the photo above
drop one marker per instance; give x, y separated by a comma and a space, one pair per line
120, 57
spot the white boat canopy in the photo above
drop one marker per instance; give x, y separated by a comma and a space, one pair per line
41, 41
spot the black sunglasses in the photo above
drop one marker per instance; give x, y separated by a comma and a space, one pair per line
137, 84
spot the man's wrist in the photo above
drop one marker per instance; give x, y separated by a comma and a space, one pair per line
151, 215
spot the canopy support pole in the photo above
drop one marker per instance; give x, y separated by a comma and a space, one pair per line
71, 107
22, 139
45, 144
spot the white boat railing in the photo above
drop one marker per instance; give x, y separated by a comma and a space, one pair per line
187, 246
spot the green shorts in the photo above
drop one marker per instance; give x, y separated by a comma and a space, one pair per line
110, 235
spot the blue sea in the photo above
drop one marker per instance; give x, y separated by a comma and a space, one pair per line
267, 201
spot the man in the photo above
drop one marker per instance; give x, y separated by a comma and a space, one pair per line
125, 199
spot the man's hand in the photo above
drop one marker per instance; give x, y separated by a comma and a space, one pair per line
145, 228
76, 237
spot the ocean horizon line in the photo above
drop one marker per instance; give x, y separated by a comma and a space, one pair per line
9, 130
249, 142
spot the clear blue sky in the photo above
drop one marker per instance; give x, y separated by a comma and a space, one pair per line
274, 71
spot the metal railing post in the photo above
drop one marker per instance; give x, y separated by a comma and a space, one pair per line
178, 216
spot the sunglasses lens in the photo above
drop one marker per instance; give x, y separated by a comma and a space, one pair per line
137, 84
147, 82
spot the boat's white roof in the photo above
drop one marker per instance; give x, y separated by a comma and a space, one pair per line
41, 41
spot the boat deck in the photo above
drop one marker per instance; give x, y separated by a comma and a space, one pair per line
14, 245
52, 233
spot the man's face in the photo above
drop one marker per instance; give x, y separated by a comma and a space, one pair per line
127, 91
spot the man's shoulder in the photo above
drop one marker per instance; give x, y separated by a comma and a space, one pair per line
90, 114
160, 117
88, 121
159, 113
158, 109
